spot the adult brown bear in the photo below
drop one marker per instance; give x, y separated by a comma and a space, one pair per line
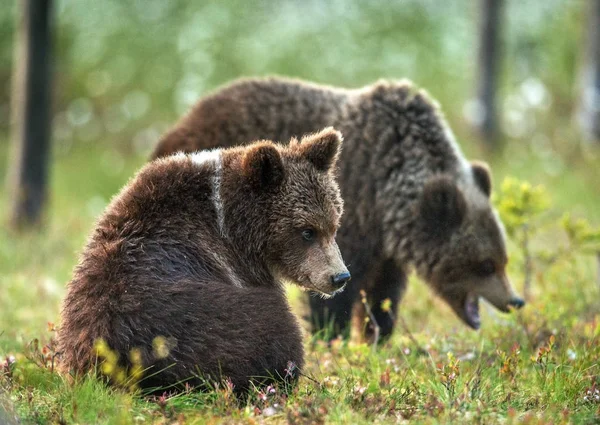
412, 199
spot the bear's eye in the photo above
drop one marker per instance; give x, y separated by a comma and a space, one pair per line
308, 234
486, 268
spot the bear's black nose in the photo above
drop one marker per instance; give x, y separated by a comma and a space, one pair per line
340, 279
517, 302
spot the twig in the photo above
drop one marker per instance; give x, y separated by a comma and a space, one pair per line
406, 330
53, 362
310, 378
376, 329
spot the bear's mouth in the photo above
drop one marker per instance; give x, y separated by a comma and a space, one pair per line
471, 311
470, 308
323, 294
311, 287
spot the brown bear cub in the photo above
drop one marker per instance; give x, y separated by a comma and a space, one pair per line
194, 250
412, 199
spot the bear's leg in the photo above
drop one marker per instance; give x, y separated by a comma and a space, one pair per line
330, 317
388, 283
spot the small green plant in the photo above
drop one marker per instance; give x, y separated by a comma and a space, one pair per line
543, 358
449, 373
509, 363
582, 236
526, 211
522, 207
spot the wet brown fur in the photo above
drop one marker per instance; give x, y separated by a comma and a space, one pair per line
411, 197
158, 264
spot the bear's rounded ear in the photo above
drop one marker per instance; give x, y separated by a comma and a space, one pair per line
262, 165
483, 178
322, 149
442, 206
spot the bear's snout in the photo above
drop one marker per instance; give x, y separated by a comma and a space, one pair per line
340, 279
517, 302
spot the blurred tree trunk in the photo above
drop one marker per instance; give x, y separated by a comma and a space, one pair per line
589, 114
30, 132
488, 69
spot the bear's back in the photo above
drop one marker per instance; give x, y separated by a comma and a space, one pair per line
161, 227
255, 109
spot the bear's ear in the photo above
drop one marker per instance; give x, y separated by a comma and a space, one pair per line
263, 166
483, 179
322, 149
442, 206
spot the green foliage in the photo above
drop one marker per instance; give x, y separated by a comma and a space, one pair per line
528, 217
582, 235
525, 209
520, 205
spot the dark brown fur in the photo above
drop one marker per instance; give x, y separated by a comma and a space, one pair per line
166, 261
411, 197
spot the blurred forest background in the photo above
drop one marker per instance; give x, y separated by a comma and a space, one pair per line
125, 71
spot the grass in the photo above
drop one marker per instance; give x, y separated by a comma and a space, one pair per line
533, 367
